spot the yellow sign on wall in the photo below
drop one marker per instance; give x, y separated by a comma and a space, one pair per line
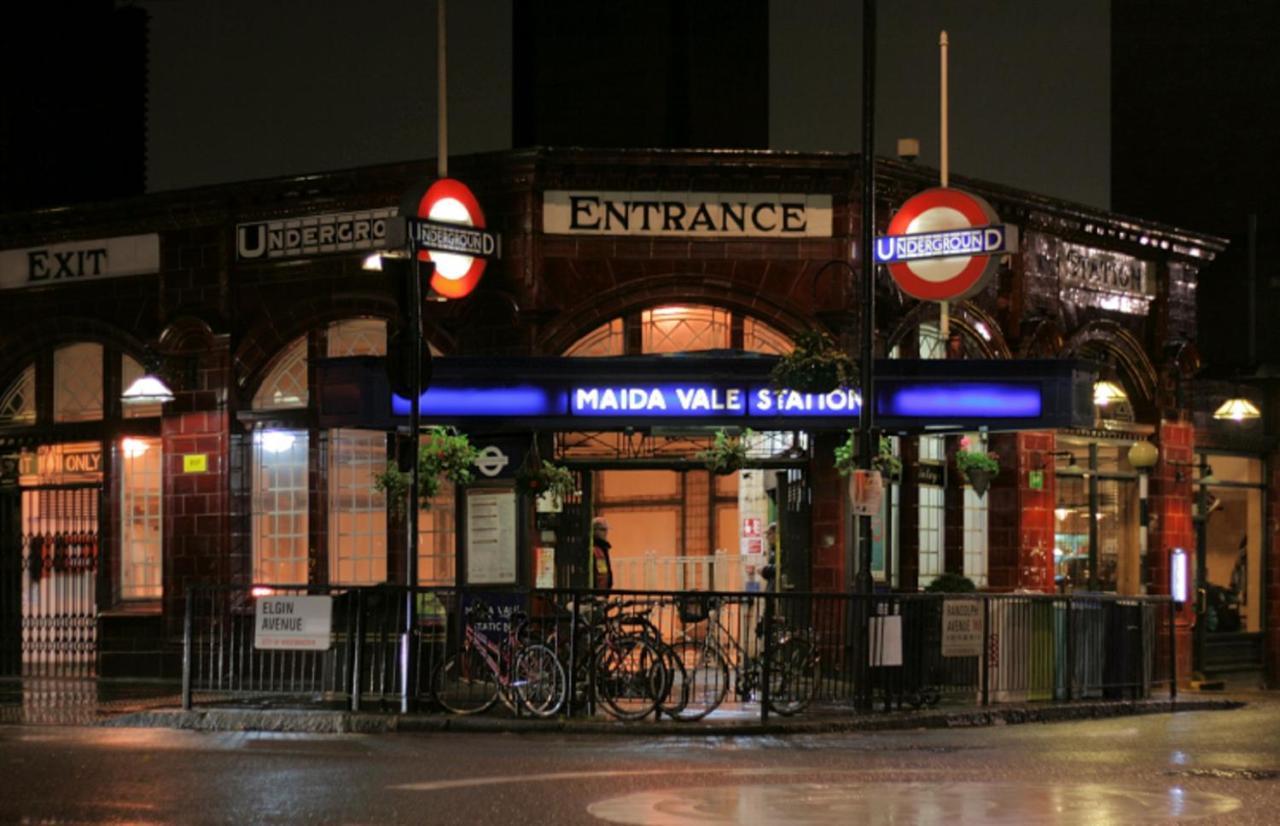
195, 462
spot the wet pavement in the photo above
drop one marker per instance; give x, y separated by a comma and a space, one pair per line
62, 701
1210, 767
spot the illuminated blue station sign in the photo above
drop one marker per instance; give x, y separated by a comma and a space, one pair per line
615, 393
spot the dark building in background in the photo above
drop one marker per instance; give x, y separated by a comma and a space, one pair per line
651, 73
73, 104
1195, 122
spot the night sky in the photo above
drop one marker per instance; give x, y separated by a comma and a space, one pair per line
243, 89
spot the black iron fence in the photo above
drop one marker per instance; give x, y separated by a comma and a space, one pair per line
636, 655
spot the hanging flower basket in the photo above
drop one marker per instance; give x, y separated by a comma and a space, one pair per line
814, 365
889, 465
543, 478
978, 467
443, 452
727, 454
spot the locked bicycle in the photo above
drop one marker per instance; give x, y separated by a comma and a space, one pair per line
525, 676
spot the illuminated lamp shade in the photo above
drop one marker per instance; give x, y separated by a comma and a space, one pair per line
276, 441
1237, 410
1143, 455
148, 389
1105, 392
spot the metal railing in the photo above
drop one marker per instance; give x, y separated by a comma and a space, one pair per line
877, 652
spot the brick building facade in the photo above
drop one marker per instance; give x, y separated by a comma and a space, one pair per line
227, 318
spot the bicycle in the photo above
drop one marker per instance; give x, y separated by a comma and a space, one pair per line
525, 676
623, 669
793, 662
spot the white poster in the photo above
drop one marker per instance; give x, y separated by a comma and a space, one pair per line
491, 537
886, 641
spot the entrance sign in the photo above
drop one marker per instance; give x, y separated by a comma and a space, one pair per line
292, 623
694, 215
448, 237
943, 244
961, 628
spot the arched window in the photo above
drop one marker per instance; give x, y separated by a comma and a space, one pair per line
18, 403
357, 512
77, 383
682, 328
286, 385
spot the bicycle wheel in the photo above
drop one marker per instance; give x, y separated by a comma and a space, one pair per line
793, 676
539, 681
629, 676
705, 679
671, 694
465, 684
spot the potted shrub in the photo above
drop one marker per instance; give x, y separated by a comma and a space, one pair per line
727, 454
951, 583
889, 465
443, 453
979, 467
814, 365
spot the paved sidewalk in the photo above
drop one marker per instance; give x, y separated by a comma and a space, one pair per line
131, 703
322, 721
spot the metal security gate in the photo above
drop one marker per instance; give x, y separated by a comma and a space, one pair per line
59, 559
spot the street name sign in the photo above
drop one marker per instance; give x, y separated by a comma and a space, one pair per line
292, 623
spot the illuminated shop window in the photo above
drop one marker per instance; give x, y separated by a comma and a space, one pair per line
286, 385
18, 404
605, 340
280, 515
77, 383
437, 538
130, 371
357, 337
679, 329
141, 518
357, 512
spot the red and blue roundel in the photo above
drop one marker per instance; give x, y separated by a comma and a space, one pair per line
944, 244
452, 202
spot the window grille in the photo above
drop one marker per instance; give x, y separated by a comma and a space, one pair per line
286, 384
929, 342
975, 537
437, 538
141, 518
931, 515
677, 329
357, 337
357, 512
18, 404
280, 513
605, 340
758, 337
77, 383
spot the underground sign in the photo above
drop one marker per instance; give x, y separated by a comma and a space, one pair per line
449, 232
943, 244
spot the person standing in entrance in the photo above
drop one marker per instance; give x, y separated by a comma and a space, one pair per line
601, 564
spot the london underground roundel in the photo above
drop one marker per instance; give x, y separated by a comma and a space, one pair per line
944, 244
449, 201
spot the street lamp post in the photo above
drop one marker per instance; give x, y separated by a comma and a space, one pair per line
1200, 518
